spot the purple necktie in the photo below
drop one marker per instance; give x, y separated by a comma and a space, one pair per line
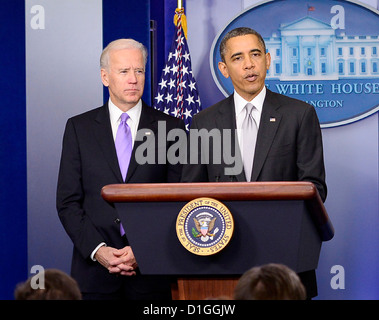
123, 145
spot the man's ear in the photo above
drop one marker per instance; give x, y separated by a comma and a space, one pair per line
268, 60
223, 69
104, 77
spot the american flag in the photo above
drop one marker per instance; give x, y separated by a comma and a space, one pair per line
177, 93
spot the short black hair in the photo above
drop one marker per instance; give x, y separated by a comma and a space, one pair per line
241, 31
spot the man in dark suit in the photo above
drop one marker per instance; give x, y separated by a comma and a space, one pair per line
103, 262
288, 142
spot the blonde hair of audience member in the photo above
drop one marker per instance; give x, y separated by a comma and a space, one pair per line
58, 286
270, 282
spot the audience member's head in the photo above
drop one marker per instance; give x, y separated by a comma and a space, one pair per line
57, 286
270, 282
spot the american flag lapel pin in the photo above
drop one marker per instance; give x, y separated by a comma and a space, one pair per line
272, 119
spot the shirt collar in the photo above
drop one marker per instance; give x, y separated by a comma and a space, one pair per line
240, 102
115, 113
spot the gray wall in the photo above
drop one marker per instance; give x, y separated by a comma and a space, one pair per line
62, 80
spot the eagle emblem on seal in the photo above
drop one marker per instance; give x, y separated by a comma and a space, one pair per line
204, 226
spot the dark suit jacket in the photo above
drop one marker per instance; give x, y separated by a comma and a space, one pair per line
288, 148
89, 162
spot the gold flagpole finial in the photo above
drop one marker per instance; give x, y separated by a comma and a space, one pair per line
180, 11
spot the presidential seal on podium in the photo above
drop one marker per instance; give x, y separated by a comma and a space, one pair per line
204, 226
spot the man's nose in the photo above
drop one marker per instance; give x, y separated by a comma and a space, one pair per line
132, 77
249, 63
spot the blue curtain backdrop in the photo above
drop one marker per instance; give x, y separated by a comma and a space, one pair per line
13, 236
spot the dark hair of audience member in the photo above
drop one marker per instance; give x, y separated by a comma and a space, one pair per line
57, 286
270, 282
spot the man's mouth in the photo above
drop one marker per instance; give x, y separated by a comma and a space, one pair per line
251, 77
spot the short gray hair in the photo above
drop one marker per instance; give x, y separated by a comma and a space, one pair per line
119, 45
241, 31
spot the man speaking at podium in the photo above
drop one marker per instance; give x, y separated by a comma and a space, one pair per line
278, 138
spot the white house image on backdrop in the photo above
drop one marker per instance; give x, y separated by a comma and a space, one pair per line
309, 49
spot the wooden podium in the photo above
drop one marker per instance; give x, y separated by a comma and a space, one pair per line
274, 222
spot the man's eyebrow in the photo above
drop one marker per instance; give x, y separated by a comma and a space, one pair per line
235, 55
239, 53
129, 68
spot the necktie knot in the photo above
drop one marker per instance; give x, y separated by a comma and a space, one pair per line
124, 117
249, 108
